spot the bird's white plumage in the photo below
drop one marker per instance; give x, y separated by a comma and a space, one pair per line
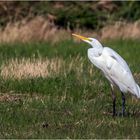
112, 65
114, 68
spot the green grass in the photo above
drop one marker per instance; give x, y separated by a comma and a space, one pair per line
69, 104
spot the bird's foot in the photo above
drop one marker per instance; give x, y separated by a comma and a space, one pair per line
121, 114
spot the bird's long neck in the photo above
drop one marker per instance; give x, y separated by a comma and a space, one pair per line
98, 50
98, 47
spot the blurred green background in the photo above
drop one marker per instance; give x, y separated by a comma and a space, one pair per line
93, 15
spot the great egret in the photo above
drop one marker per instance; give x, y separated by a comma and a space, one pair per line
115, 69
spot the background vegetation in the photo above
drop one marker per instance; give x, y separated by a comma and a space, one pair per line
49, 89
93, 15
72, 102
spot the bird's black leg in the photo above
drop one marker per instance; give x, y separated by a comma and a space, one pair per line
114, 101
123, 104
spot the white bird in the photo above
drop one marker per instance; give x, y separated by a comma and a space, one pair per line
115, 69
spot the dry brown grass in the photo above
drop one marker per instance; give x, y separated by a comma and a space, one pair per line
18, 97
39, 29
9, 97
28, 68
121, 30
32, 68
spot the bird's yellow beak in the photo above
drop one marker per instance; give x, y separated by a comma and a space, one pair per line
81, 37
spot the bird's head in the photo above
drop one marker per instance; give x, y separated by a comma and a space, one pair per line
92, 41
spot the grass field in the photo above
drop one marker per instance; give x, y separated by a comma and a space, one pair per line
53, 91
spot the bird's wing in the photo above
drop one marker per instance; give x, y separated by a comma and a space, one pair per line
117, 57
119, 71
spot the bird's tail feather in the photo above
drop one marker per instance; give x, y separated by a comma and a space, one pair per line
138, 91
